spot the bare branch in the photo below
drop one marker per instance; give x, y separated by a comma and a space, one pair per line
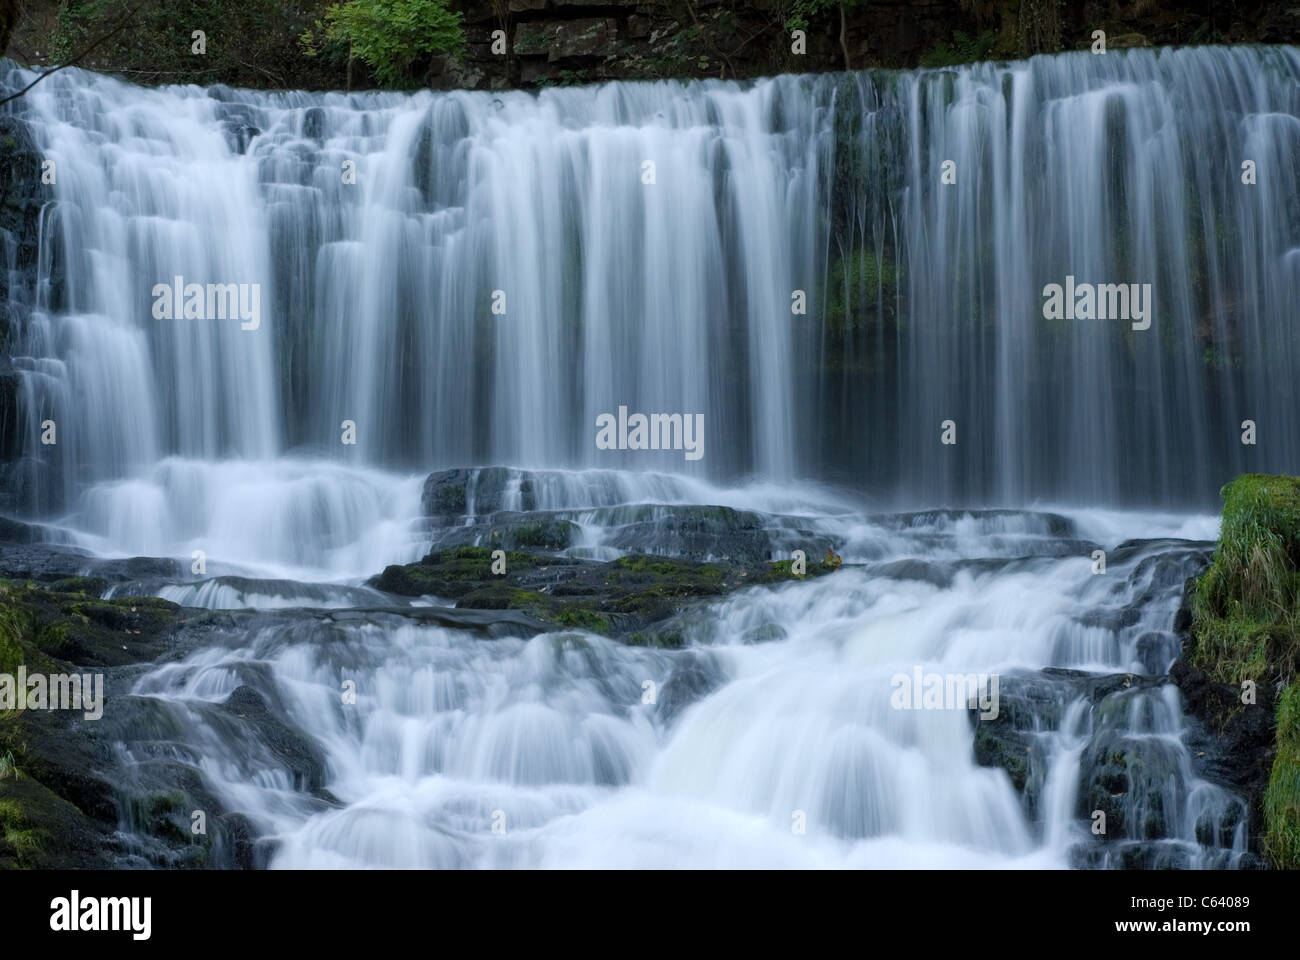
81, 54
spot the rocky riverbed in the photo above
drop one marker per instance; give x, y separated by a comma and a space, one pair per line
1157, 748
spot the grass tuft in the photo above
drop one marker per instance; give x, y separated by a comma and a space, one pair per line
1246, 626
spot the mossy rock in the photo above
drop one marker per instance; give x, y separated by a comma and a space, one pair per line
621, 598
1246, 608
1246, 627
1282, 798
41, 830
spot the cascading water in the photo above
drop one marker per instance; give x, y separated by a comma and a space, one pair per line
475, 278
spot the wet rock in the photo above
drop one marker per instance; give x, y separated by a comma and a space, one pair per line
41, 830
1233, 744
695, 675
699, 533
1021, 522
1157, 649
532, 531
10, 418
764, 633
313, 125
1118, 776
620, 598
452, 494
583, 41
22, 195
1001, 745
913, 569
299, 754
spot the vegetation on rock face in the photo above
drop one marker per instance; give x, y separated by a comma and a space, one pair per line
1282, 799
963, 49
246, 43
621, 598
62, 627
1246, 609
336, 44
857, 282
1246, 627
390, 36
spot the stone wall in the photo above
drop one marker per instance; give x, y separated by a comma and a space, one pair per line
575, 41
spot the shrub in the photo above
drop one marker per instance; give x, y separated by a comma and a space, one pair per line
391, 36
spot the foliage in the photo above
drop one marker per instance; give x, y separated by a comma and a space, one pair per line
963, 49
247, 42
390, 36
1282, 798
857, 281
15, 833
1246, 609
1246, 626
802, 11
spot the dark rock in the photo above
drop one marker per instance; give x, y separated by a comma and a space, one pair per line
914, 569
1234, 744
298, 752
451, 494
621, 598
699, 533
313, 125
21, 192
694, 676
583, 40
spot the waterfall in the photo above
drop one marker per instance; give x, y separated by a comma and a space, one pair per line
647, 240
837, 274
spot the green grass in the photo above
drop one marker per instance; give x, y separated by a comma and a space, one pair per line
1282, 798
14, 831
1246, 609
1246, 626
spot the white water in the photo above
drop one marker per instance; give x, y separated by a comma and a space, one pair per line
673, 296
451, 730
185, 436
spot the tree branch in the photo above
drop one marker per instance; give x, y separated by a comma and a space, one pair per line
80, 54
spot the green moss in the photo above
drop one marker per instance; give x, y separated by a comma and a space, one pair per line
1246, 608
47, 630
784, 570
12, 628
666, 639
584, 620
1282, 798
666, 567
18, 838
857, 283
543, 535
91, 586
1246, 626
